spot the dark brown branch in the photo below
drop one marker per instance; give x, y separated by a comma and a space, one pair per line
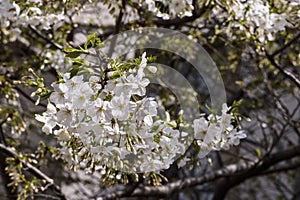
281, 169
5, 180
234, 179
41, 35
28, 97
236, 172
2, 137
180, 21
127, 191
285, 72
117, 27
286, 45
159, 22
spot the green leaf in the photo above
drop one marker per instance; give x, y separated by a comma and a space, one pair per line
73, 52
237, 103
151, 59
211, 110
46, 95
108, 97
79, 61
92, 39
60, 77
74, 70
258, 152
115, 75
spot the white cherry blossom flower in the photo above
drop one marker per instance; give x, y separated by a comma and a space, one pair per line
59, 96
100, 110
74, 83
65, 116
81, 95
62, 134
177, 6
200, 128
121, 107
48, 118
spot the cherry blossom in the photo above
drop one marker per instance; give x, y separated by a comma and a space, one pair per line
113, 125
258, 16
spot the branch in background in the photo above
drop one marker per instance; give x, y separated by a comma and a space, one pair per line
28, 97
41, 35
285, 72
235, 179
180, 21
159, 22
116, 192
3, 175
237, 172
282, 168
2, 137
33, 170
286, 45
117, 28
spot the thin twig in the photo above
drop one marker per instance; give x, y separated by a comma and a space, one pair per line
29, 98
2, 137
286, 45
33, 170
285, 72
41, 35
117, 28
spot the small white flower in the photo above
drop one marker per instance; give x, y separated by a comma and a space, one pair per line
100, 110
128, 86
152, 165
59, 96
144, 107
81, 95
200, 128
48, 118
151, 5
148, 120
152, 69
121, 107
49, 123
17, 8
177, 6
74, 82
65, 116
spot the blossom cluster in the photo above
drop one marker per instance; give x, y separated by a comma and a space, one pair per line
15, 15
257, 15
217, 132
108, 121
177, 8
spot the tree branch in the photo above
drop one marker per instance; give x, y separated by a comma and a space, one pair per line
179, 21
28, 97
286, 45
285, 72
33, 170
41, 35
282, 169
236, 178
117, 27
237, 172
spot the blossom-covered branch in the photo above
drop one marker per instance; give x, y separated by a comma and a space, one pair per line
242, 171
32, 169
